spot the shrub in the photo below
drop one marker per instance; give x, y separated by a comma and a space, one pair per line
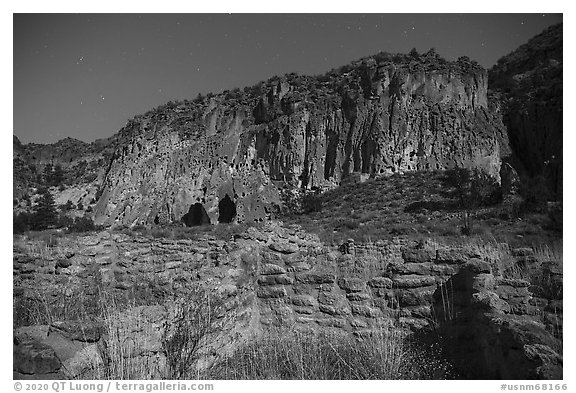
65, 221
535, 194
472, 189
67, 206
311, 203
82, 224
184, 336
21, 222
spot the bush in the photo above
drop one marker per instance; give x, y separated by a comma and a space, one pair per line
184, 337
21, 222
67, 206
472, 189
82, 224
535, 194
65, 221
311, 203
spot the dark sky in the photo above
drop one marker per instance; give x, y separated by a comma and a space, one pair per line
85, 75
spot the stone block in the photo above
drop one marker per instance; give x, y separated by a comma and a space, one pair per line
271, 269
316, 278
413, 281
351, 284
380, 282
271, 292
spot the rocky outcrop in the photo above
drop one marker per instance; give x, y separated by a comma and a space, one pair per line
379, 115
528, 82
489, 326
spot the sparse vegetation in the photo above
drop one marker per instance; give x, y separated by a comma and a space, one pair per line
294, 353
184, 336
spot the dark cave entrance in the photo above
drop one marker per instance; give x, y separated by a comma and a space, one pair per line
196, 216
226, 210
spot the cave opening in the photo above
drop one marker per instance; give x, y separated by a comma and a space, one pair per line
196, 216
226, 210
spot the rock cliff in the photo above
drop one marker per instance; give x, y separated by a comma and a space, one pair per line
379, 115
528, 83
82, 163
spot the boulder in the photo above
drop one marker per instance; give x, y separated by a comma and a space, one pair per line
35, 358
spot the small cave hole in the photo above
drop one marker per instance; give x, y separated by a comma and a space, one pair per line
196, 216
226, 210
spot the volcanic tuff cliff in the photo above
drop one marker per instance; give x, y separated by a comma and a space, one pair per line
379, 115
528, 82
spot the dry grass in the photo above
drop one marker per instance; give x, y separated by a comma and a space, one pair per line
122, 346
292, 353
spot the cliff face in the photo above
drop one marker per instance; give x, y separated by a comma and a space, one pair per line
529, 83
379, 115
81, 162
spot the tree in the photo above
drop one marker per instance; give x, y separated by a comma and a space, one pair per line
47, 178
21, 222
57, 176
45, 214
67, 206
472, 189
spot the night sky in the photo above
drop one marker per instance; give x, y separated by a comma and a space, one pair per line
84, 76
